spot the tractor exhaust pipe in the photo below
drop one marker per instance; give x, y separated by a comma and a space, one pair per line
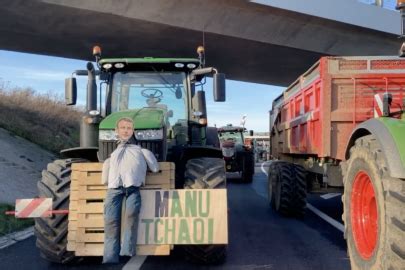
91, 119
91, 88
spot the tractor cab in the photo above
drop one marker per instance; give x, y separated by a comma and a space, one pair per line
231, 136
159, 94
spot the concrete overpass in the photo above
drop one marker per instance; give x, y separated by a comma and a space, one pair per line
259, 41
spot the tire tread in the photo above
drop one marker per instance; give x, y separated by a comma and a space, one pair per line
51, 232
208, 173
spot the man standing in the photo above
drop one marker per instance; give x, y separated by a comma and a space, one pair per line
124, 172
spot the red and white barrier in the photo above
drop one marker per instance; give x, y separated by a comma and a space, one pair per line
32, 208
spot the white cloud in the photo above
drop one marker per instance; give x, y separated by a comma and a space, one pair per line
35, 74
219, 108
45, 75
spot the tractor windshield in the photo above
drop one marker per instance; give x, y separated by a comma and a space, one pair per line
234, 136
137, 90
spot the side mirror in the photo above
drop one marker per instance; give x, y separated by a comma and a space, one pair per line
70, 91
219, 87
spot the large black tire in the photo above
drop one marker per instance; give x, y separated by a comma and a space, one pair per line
287, 188
205, 173
366, 179
52, 232
248, 168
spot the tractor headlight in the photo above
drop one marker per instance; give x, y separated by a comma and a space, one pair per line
107, 135
149, 134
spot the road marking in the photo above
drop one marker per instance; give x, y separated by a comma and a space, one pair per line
322, 215
13, 238
330, 195
327, 218
135, 263
263, 170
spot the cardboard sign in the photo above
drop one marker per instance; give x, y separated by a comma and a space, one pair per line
188, 216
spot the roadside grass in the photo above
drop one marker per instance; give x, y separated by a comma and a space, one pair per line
40, 118
43, 119
9, 224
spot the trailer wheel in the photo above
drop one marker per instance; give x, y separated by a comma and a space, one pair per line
287, 188
374, 209
300, 190
248, 168
205, 173
52, 232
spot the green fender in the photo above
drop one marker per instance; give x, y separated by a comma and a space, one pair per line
390, 133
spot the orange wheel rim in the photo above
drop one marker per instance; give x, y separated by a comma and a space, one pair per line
364, 215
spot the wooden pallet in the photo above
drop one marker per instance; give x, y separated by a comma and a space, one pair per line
86, 222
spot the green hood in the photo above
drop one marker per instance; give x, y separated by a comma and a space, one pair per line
145, 118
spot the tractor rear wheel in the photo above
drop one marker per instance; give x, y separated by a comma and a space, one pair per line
205, 173
374, 209
52, 232
248, 168
287, 188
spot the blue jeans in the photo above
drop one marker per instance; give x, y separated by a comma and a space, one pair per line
112, 222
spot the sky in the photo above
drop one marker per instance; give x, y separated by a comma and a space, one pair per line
47, 74
389, 4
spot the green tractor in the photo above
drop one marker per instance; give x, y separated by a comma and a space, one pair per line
161, 96
238, 156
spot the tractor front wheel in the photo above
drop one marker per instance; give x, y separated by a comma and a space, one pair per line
52, 232
248, 168
374, 212
205, 173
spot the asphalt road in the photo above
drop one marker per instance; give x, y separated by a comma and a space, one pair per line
258, 238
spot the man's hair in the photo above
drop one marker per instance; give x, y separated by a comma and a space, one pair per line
125, 119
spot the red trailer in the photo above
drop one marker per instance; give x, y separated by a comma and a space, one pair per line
338, 128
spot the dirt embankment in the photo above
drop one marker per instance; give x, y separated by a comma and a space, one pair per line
33, 129
40, 118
